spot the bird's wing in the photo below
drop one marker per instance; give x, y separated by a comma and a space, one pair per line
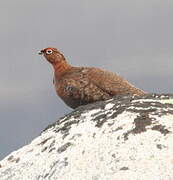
77, 86
112, 83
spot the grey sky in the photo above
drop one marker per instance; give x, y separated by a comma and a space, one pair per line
133, 38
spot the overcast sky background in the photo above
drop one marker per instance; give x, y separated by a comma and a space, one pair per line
133, 38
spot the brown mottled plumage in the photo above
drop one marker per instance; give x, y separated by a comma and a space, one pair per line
82, 85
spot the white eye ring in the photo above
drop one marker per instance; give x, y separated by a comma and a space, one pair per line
49, 51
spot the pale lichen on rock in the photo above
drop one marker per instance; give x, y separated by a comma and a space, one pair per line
126, 137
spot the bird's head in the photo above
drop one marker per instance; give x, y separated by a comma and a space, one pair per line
52, 55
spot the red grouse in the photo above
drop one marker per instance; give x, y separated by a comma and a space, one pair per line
82, 85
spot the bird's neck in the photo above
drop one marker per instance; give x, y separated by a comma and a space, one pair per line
61, 68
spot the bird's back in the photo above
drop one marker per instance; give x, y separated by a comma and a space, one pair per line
112, 83
82, 85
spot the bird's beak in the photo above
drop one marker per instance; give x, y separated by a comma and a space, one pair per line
40, 52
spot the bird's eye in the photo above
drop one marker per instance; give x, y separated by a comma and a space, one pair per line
49, 51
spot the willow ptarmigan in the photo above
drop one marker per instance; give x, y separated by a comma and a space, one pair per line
83, 85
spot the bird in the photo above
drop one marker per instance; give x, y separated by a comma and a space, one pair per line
78, 86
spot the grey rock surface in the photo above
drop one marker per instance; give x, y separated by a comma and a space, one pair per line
125, 138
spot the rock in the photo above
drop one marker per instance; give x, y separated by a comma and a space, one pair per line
122, 138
